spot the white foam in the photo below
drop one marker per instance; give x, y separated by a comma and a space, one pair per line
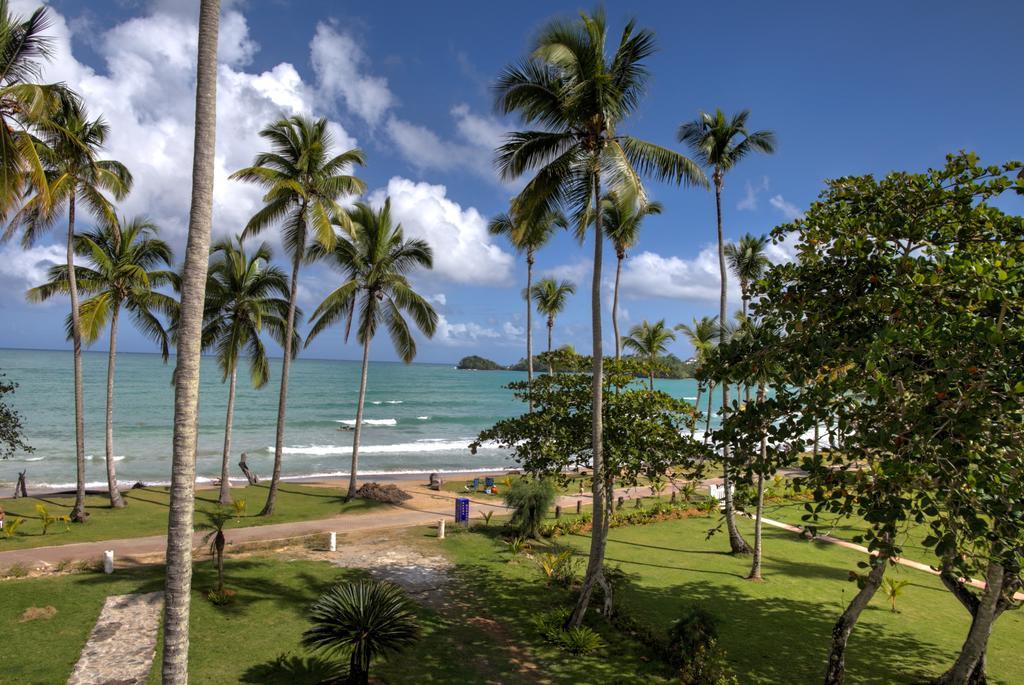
398, 448
394, 401
369, 422
376, 402
423, 418
34, 458
90, 457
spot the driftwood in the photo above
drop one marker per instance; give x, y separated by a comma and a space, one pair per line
19, 489
252, 477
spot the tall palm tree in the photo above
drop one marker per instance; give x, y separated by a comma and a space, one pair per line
178, 583
24, 104
304, 181
578, 97
374, 261
245, 295
702, 335
649, 341
528, 236
550, 297
719, 143
69, 149
622, 221
124, 265
747, 261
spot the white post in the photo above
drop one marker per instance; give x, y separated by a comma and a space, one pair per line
440, 529
333, 545
108, 561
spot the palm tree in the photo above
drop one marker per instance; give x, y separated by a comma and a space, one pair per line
216, 522
304, 183
622, 221
550, 297
747, 261
577, 97
702, 334
245, 295
363, 620
719, 143
69, 148
375, 261
178, 583
528, 236
24, 105
124, 266
649, 341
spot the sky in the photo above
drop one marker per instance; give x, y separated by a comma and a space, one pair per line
848, 88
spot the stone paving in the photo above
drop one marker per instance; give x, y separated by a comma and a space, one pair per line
122, 644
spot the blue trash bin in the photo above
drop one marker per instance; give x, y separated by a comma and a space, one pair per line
462, 510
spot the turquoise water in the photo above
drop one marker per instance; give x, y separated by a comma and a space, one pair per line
420, 417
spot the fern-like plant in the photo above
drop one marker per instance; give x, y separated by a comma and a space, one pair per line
893, 589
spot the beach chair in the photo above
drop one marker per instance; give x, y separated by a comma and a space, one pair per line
472, 485
488, 483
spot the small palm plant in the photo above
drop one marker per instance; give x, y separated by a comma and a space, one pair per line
216, 520
362, 620
893, 589
649, 342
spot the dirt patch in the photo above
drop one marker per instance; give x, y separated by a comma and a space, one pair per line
388, 494
36, 613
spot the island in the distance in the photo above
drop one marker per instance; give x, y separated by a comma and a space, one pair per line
671, 366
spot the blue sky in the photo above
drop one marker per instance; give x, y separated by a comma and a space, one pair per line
848, 88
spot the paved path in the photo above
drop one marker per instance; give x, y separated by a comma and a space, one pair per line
122, 644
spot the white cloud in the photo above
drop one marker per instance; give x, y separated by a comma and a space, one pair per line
338, 61
577, 273
455, 334
438, 299
788, 209
463, 251
511, 330
649, 274
23, 269
750, 194
145, 91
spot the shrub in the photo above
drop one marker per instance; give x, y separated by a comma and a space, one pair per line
693, 649
517, 546
486, 516
578, 640
48, 520
362, 620
560, 567
239, 507
530, 500
18, 570
11, 527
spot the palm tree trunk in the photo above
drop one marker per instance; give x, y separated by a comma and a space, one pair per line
817, 438
551, 364
595, 562
116, 500
696, 406
615, 308
282, 398
707, 419
736, 542
78, 511
359, 420
529, 329
651, 376
220, 561
178, 588
225, 481
746, 387
755, 567
836, 671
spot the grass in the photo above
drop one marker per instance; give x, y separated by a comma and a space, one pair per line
146, 513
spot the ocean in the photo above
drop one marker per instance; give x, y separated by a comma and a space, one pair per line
419, 418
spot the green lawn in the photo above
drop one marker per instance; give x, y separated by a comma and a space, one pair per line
146, 513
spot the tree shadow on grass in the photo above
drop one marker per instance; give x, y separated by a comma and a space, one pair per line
779, 640
292, 669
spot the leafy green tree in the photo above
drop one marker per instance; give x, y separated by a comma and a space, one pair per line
649, 341
645, 431
374, 262
245, 296
24, 104
550, 297
719, 143
702, 334
527, 235
304, 181
69, 148
578, 96
12, 433
363, 620
899, 325
125, 263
